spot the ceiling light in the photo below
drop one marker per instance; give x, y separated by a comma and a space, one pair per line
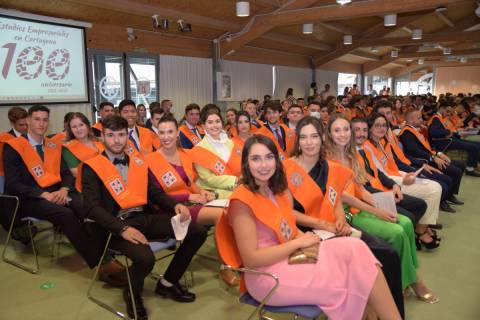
390, 20
421, 61
130, 34
447, 50
243, 8
183, 26
342, 2
159, 23
394, 53
441, 9
374, 49
417, 34
307, 28
477, 12
347, 39
463, 59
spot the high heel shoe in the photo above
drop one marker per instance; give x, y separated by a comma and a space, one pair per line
428, 245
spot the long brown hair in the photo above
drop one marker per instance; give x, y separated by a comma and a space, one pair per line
84, 119
350, 149
278, 181
318, 127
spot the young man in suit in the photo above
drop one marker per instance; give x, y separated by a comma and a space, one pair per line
36, 174
117, 188
105, 110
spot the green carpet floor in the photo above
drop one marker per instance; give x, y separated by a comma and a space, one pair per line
59, 291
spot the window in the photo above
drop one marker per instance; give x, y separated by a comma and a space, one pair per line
346, 80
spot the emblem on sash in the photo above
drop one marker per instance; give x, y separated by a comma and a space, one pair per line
219, 167
239, 151
117, 186
296, 179
195, 140
138, 161
285, 229
332, 195
282, 157
169, 178
38, 171
51, 145
129, 150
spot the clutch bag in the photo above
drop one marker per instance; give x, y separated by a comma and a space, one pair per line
304, 255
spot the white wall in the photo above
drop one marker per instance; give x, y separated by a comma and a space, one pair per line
57, 111
249, 80
185, 80
298, 79
323, 77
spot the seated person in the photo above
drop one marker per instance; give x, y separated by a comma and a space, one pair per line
415, 146
230, 116
155, 115
428, 190
116, 190
105, 109
317, 186
190, 132
444, 136
397, 230
251, 108
140, 138
216, 157
243, 127
250, 235
281, 135
294, 114
36, 174
80, 144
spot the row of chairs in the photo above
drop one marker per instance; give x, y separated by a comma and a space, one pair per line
261, 307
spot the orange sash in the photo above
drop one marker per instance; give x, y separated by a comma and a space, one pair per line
214, 163
279, 219
289, 139
98, 126
59, 138
148, 140
82, 152
444, 121
171, 182
419, 137
395, 147
127, 195
238, 142
46, 173
194, 139
386, 159
306, 191
374, 180
5, 136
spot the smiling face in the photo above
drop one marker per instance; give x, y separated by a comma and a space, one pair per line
378, 129
213, 126
193, 116
261, 163
272, 116
129, 113
310, 141
79, 128
295, 114
360, 130
243, 125
230, 117
168, 134
340, 132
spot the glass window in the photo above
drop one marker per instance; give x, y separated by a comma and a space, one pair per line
108, 84
143, 79
345, 80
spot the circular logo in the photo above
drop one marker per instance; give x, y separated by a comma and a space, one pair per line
296, 179
109, 87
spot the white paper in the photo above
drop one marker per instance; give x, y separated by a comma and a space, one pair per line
385, 201
180, 228
324, 234
221, 203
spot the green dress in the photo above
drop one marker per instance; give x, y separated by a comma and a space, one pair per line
399, 235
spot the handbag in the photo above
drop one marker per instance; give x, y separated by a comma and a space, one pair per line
304, 255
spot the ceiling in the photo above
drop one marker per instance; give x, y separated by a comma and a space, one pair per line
276, 25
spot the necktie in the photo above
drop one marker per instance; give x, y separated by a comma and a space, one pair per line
131, 138
279, 138
39, 149
122, 161
195, 130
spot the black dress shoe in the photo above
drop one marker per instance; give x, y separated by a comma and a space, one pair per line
141, 311
472, 173
437, 226
455, 200
444, 206
175, 292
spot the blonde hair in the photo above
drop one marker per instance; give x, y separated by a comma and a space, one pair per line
360, 175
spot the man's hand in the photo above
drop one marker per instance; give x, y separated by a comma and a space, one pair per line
397, 192
431, 169
409, 179
47, 196
442, 164
60, 196
182, 211
134, 236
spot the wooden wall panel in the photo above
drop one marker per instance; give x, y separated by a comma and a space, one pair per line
457, 79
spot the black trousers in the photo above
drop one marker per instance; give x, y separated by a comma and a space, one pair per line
412, 207
69, 220
391, 267
7, 206
472, 148
455, 172
158, 227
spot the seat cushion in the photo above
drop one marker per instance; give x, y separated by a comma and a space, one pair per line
301, 310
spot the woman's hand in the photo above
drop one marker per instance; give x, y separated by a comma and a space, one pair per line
307, 239
386, 215
197, 198
208, 195
342, 228
409, 179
